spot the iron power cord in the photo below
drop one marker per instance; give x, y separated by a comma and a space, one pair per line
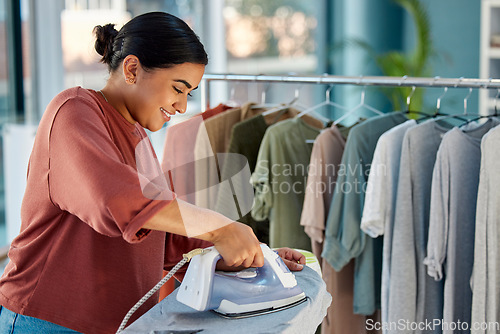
185, 258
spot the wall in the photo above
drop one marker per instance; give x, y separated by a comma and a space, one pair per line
377, 22
455, 26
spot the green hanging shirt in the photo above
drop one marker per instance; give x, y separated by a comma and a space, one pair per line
280, 179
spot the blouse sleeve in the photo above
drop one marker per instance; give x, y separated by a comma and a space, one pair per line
313, 210
374, 210
438, 217
480, 277
89, 178
261, 181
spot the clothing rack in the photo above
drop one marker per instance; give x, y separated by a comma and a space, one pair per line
404, 81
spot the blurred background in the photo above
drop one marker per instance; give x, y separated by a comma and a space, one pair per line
47, 46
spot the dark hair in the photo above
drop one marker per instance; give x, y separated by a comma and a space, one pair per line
159, 40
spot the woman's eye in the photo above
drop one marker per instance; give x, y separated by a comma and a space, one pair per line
181, 92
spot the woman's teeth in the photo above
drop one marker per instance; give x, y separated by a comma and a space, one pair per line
165, 112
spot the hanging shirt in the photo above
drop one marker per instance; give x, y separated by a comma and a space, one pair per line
344, 239
323, 169
82, 259
450, 250
412, 293
213, 138
246, 137
178, 161
486, 274
381, 189
280, 179
380, 202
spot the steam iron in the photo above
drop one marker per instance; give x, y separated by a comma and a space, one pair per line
246, 293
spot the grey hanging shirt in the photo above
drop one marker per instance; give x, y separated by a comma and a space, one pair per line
486, 273
413, 294
450, 251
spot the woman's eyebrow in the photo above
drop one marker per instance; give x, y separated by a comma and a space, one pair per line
187, 84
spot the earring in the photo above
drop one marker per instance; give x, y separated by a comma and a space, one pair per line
131, 80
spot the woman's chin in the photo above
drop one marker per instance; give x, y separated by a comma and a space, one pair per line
155, 127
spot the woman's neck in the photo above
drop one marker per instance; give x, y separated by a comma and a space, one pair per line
114, 94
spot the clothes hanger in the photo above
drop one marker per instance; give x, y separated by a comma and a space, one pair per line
441, 116
327, 102
408, 98
280, 110
478, 116
232, 101
283, 107
423, 115
438, 102
263, 97
361, 104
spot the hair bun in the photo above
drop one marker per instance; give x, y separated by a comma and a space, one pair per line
105, 37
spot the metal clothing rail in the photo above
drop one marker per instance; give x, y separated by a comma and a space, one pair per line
350, 80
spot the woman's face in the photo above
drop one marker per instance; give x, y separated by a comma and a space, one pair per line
160, 93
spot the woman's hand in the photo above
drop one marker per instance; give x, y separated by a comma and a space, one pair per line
293, 259
238, 246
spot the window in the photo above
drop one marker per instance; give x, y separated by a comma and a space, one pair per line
79, 17
271, 36
3, 111
3, 63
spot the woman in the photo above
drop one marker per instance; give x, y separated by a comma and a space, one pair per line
91, 242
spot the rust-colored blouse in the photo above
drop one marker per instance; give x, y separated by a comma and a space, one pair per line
82, 259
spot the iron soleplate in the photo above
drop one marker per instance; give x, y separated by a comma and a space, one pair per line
259, 312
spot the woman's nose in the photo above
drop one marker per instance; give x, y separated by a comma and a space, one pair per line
181, 105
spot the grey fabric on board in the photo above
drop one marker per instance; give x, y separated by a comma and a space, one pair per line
304, 318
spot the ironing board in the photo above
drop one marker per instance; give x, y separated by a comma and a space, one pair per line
171, 317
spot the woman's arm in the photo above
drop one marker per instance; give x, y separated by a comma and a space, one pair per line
235, 241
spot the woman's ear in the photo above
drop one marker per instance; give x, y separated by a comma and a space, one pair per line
130, 66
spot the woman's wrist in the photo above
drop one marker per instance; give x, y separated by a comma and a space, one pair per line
221, 225
186, 219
